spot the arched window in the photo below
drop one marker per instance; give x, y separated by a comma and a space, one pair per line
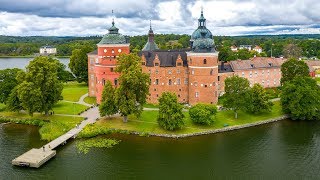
103, 82
115, 82
205, 61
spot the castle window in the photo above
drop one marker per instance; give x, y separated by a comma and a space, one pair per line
157, 81
205, 85
156, 64
178, 71
155, 89
270, 64
170, 82
218, 78
103, 82
112, 51
192, 71
179, 64
111, 69
197, 94
242, 74
252, 65
190, 61
178, 81
170, 72
143, 63
186, 81
195, 84
205, 61
178, 95
91, 61
211, 71
115, 82
157, 72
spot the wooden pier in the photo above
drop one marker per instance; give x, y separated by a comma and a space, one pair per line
37, 157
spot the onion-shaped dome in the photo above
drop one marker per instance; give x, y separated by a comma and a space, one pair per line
203, 45
113, 37
201, 39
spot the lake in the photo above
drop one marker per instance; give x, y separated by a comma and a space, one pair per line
21, 63
280, 150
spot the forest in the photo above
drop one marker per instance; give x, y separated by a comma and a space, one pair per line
274, 45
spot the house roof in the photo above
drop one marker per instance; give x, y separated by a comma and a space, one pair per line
312, 63
257, 62
95, 52
167, 58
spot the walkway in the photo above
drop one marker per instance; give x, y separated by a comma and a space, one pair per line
37, 157
81, 101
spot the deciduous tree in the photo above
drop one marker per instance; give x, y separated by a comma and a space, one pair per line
134, 85
300, 98
203, 113
170, 112
258, 100
79, 63
108, 104
292, 68
7, 83
236, 93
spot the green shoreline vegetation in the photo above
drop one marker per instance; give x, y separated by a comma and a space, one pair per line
147, 123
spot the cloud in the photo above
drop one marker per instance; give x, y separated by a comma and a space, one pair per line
224, 17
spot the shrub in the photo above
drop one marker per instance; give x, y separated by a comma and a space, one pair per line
203, 113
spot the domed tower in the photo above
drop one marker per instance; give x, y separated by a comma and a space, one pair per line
202, 66
150, 45
109, 48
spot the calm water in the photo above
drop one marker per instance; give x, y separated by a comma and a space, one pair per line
23, 62
280, 150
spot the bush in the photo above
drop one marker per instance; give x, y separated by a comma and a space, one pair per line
203, 113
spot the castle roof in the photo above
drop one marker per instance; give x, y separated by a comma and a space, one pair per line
150, 45
113, 37
166, 58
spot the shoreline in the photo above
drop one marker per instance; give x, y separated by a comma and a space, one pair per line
177, 136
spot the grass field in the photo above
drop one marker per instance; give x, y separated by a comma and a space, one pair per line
72, 91
53, 127
147, 123
151, 106
2, 107
90, 100
63, 107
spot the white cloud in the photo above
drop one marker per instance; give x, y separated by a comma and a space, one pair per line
224, 17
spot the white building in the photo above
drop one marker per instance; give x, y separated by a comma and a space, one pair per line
249, 47
257, 49
47, 50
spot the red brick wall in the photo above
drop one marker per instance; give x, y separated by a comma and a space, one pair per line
203, 77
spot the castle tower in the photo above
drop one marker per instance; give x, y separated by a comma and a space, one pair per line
150, 45
202, 66
104, 65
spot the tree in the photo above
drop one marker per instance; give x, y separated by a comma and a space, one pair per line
259, 100
108, 104
203, 113
243, 54
7, 83
134, 85
13, 103
79, 63
292, 51
300, 98
62, 73
170, 112
30, 97
292, 68
236, 93
40, 89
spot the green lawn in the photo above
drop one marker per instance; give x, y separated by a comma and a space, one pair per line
72, 91
90, 100
147, 123
53, 127
151, 106
63, 107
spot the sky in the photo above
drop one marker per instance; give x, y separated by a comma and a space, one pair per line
132, 17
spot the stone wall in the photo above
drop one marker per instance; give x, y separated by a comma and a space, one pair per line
230, 128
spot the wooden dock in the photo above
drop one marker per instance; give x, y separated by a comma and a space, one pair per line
37, 157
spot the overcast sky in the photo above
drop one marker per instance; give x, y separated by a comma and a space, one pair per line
94, 17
